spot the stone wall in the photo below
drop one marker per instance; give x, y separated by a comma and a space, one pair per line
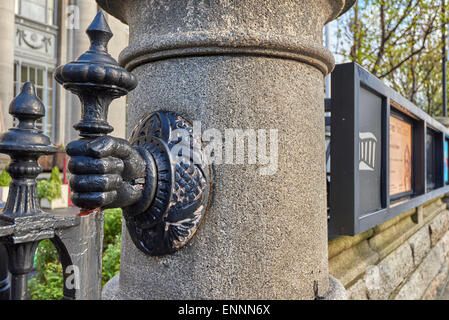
406, 257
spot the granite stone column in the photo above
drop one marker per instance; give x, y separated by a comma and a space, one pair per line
237, 64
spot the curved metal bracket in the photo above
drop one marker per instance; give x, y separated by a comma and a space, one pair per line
66, 261
182, 188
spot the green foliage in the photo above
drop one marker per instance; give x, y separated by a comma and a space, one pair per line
48, 283
399, 41
5, 178
112, 226
48, 189
46, 253
111, 243
111, 260
51, 188
55, 175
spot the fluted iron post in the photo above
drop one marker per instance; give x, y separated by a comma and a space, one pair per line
22, 222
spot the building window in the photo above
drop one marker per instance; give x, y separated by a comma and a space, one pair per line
42, 11
42, 78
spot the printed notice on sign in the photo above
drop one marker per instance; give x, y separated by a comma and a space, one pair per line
400, 156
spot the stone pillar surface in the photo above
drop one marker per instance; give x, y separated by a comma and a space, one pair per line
237, 64
117, 109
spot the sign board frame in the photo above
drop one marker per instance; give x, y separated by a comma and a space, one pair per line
347, 215
446, 159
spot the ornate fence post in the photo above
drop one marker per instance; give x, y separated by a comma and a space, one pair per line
78, 239
25, 144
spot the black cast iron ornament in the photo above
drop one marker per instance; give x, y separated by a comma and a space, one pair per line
159, 177
181, 191
24, 144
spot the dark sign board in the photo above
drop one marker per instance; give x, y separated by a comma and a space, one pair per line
387, 155
370, 137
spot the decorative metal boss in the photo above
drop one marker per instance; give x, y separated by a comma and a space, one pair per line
158, 177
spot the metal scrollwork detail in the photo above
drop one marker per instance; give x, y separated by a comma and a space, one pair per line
183, 185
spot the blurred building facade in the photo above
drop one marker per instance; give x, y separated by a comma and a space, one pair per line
38, 35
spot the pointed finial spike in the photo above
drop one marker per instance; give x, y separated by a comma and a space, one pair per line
28, 88
27, 104
99, 24
99, 32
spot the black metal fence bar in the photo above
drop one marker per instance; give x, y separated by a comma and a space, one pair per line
4, 274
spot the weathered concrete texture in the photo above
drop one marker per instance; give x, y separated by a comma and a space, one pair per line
347, 242
110, 290
390, 273
421, 278
263, 236
437, 286
350, 256
399, 260
443, 290
277, 28
351, 263
438, 227
117, 109
358, 290
336, 290
246, 64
